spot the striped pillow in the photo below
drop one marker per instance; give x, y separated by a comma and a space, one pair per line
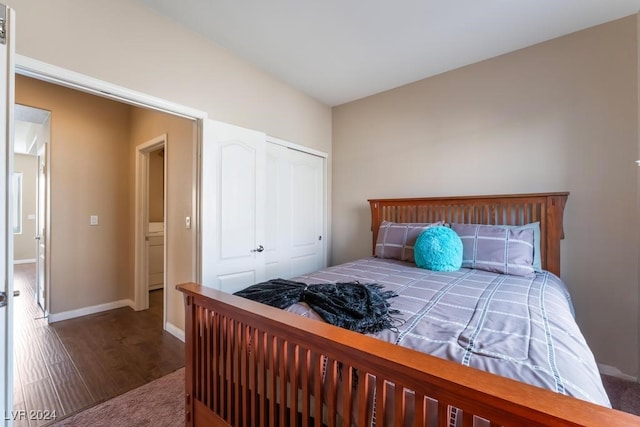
495, 248
396, 239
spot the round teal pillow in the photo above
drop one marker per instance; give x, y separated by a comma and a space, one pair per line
438, 248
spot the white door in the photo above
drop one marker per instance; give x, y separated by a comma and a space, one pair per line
233, 206
307, 212
40, 226
295, 212
278, 213
7, 49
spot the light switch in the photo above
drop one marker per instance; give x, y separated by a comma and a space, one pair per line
93, 220
187, 222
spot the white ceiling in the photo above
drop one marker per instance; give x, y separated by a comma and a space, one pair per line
341, 50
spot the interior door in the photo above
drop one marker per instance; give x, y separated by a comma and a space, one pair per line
278, 214
40, 227
7, 49
295, 212
233, 205
307, 212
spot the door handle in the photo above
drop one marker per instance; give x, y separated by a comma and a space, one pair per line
37, 237
258, 249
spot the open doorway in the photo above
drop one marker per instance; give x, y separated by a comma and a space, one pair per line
155, 220
32, 132
31, 141
78, 358
150, 221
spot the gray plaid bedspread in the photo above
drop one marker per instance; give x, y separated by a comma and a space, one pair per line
520, 328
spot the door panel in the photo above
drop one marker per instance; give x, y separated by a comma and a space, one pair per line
306, 208
295, 212
236, 281
237, 195
304, 264
307, 201
7, 50
233, 206
278, 214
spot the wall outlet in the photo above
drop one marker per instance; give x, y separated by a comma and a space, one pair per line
93, 220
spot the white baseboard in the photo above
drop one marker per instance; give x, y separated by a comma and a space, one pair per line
71, 314
174, 330
615, 372
24, 261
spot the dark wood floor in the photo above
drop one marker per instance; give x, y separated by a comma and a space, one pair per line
70, 365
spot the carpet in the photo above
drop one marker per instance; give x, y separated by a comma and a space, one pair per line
159, 403
623, 394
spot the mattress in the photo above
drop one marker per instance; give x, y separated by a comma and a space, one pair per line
517, 327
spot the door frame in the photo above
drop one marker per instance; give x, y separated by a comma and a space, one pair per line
141, 258
63, 77
46, 154
57, 75
39, 70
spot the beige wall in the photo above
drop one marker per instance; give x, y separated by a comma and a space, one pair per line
564, 114
89, 166
24, 247
156, 56
153, 55
179, 151
558, 116
93, 150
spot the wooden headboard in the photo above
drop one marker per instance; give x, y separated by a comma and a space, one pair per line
506, 209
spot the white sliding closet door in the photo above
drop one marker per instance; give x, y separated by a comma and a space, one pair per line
278, 214
307, 218
295, 212
233, 206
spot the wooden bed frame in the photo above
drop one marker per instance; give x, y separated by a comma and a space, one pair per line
508, 209
249, 364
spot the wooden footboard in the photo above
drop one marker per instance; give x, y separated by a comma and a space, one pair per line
251, 364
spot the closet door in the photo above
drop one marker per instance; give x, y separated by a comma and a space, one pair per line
278, 214
307, 212
233, 206
295, 212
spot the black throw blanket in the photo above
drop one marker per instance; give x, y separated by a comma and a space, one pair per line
359, 307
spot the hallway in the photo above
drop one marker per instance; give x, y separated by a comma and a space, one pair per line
70, 365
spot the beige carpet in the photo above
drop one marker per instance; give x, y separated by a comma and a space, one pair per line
159, 403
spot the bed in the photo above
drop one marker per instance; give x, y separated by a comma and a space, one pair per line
251, 364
